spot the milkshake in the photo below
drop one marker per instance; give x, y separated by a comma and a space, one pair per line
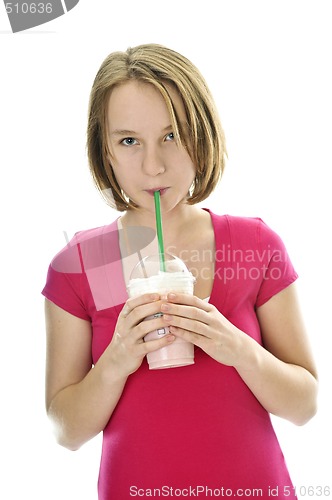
148, 278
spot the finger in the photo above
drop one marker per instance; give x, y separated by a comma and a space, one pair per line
192, 337
190, 300
143, 312
150, 324
188, 324
154, 345
134, 302
186, 311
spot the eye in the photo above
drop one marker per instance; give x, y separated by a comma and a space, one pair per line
128, 141
170, 137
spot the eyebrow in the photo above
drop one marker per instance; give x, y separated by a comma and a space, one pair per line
125, 132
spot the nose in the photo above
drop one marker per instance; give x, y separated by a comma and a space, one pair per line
152, 161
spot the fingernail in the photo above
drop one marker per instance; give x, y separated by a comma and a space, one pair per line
170, 338
154, 296
171, 296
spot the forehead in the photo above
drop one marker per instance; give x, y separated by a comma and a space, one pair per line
135, 100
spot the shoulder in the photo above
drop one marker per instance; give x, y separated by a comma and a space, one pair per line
253, 228
84, 244
247, 224
236, 221
238, 225
247, 232
95, 233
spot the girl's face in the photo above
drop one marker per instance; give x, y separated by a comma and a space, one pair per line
143, 152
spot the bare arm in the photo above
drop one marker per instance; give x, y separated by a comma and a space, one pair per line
80, 398
281, 374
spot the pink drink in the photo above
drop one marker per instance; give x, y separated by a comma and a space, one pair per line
176, 278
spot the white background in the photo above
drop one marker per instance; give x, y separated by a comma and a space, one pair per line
268, 65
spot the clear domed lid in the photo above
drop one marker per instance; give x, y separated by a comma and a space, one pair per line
150, 266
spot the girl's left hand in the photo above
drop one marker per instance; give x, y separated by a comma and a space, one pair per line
202, 324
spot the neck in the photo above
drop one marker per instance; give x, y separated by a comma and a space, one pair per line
175, 223
185, 234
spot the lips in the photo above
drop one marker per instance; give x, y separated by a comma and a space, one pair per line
162, 190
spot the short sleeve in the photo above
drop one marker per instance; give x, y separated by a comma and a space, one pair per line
66, 291
279, 272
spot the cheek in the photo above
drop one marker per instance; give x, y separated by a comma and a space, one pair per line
182, 160
188, 169
123, 164
121, 176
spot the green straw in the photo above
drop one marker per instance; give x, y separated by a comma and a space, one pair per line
159, 231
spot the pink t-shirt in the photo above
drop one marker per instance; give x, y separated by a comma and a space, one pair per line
190, 431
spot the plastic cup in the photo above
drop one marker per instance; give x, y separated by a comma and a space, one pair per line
147, 277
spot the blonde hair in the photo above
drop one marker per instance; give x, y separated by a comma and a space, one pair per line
161, 67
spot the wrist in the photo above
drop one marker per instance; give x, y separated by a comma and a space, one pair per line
110, 370
248, 353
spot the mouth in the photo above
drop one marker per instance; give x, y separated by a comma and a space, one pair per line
162, 190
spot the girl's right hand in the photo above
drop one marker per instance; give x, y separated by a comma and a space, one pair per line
127, 348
